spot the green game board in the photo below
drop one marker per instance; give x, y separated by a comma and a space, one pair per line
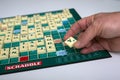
36, 41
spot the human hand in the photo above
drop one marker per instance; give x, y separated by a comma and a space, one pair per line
97, 32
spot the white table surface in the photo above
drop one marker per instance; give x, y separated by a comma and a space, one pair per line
103, 69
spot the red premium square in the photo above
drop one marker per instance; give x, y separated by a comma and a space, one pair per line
23, 58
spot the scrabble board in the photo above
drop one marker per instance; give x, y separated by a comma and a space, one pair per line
35, 41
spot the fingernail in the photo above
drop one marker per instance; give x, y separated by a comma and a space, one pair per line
77, 44
65, 37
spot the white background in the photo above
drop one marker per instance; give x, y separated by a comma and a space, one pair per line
103, 69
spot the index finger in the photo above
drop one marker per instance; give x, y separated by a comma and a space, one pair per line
78, 26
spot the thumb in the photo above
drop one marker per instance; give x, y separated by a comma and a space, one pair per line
86, 37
